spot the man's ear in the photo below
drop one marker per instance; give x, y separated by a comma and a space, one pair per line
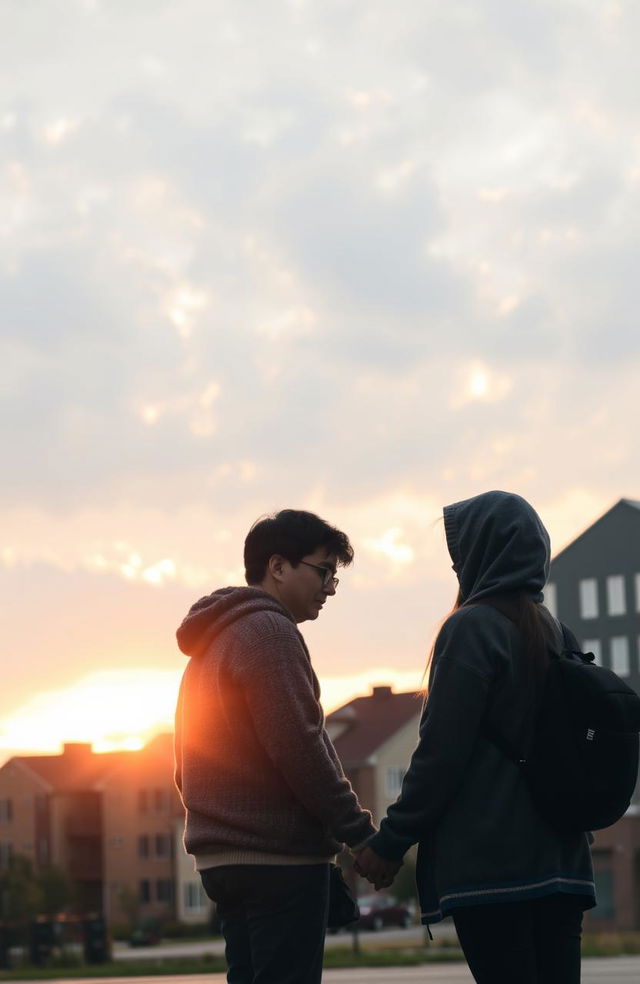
276, 566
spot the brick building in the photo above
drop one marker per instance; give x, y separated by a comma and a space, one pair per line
50, 811
112, 821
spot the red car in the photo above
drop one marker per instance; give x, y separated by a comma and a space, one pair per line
377, 911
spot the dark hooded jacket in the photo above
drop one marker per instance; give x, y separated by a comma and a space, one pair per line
258, 775
463, 801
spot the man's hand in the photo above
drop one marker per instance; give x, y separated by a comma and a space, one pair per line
375, 869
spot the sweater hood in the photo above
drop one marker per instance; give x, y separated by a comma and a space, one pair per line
498, 544
213, 613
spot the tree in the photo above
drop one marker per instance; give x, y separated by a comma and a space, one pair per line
404, 885
55, 889
20, 891
129, 902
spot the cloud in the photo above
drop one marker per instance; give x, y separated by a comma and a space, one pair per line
351, 257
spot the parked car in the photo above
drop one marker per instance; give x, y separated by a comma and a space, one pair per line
378, 911
146, 933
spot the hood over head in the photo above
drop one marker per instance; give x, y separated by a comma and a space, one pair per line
498, 545
216, 611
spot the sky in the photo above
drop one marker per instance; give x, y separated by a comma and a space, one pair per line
359, 258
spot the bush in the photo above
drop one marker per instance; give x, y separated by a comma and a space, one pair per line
179, 931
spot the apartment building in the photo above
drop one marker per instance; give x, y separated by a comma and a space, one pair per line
140, 812
594, 587
112, 821
374, 737
50, 811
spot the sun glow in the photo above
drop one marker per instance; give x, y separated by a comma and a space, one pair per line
122, 710
338, 690
112, 709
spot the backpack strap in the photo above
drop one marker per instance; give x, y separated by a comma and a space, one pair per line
572, 646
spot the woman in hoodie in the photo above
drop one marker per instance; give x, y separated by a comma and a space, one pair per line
515, 887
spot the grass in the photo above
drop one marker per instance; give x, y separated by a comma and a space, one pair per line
120, 968
610, 944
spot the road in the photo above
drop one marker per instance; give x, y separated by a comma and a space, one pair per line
603, 970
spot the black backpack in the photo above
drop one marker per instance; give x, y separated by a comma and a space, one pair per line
582, 764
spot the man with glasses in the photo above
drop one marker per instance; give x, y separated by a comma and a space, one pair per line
267, 803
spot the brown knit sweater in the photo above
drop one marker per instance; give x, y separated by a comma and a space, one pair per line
258, 775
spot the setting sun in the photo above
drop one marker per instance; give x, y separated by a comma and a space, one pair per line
121, 710
114, 710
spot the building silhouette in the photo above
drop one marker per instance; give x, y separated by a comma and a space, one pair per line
594, 587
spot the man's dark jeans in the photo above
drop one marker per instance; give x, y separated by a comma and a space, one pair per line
536, 942
274, 920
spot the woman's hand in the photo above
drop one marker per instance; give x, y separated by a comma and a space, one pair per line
379, 871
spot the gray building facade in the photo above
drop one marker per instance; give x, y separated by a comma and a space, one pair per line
594, 588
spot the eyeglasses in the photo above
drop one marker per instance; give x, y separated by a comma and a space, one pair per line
328, 577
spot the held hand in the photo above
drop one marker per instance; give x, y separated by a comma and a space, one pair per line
379, 871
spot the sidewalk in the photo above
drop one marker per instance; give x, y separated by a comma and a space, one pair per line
596, 970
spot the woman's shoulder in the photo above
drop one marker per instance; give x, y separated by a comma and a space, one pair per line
477, 617
476, 635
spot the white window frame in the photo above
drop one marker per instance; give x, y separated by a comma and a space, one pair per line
393, 780
619, 655
195, 899
616, 595
593, 646
551, 598
588, 590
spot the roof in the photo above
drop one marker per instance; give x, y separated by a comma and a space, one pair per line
371, 721
77, 769
632, 503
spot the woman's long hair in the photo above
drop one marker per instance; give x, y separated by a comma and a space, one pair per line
534, 626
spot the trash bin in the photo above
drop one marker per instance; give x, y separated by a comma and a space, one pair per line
97, 946
41, 941
5, 948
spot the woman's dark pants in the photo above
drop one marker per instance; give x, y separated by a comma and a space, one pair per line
535, 942
274, 920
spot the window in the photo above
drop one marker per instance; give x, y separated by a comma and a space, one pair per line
195, 899
160, 800
145, 890
603, 873
6, 853
6, 811
163, 846
593, 646
143, 846
395, 775
588, 598
164, 890
620, 655
638, 592
616, 601
143, 801
551, 598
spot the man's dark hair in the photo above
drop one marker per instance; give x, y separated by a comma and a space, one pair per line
293, 534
